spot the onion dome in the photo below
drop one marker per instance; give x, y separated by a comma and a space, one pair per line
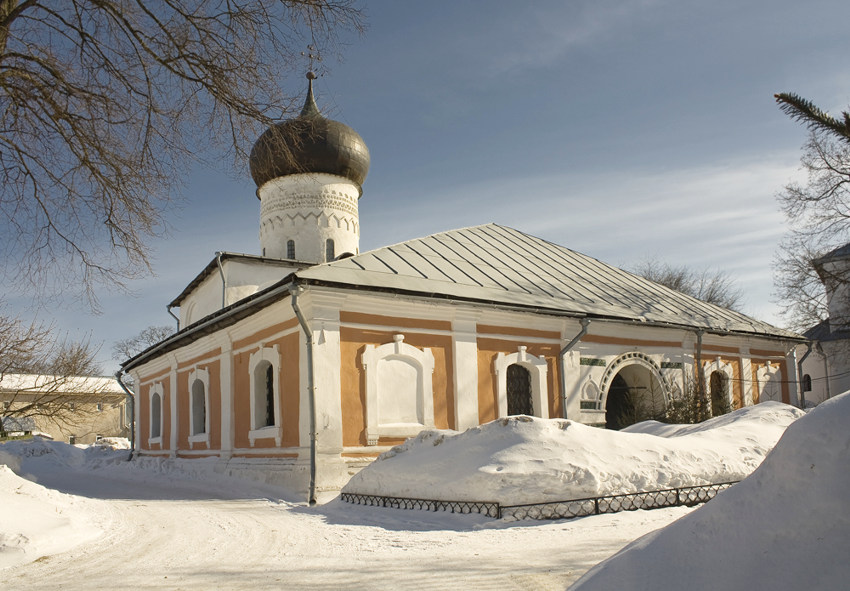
309, 143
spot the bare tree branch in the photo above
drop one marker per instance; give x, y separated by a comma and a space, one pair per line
714, 287
104, 104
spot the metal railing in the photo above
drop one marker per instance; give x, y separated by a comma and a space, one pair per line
482, 507
686, 496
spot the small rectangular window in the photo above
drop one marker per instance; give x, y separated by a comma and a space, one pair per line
72, 439
99, 407
6, 405
72, 406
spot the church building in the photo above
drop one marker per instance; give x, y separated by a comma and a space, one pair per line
825, 358
300, 365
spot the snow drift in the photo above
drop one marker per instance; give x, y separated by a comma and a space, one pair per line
785, 527
522, 459
38, 521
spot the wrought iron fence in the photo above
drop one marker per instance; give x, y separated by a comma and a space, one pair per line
483, 507
687, 496
672, 497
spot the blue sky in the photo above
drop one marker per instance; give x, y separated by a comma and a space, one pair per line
623, 130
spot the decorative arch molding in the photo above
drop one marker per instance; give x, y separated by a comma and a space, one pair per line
590, 395
538, 369
624, 360
399, 390
725, 369
156, 399
257, 363
199, 418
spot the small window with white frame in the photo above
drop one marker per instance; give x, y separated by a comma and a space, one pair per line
199, 380
265, 394
156, 395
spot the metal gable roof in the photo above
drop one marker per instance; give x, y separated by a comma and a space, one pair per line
502, 265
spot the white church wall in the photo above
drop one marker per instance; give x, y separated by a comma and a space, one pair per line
828, 367
243, 277
309, 209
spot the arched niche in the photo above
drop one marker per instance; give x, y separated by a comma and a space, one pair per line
399, 390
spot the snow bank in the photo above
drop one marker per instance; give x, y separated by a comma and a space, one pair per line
36, 521
522, 459
787, 526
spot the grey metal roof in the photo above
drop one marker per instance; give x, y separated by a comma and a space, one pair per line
502, 265
838, 253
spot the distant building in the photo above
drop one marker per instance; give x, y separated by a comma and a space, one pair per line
303, 364
78, 409
826, 366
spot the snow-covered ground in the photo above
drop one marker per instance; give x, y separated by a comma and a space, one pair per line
86, 519
787, 526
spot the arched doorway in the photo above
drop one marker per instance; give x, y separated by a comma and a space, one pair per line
519, 391
635, 394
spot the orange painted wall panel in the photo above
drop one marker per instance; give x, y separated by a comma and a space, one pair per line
289, 397
353, 378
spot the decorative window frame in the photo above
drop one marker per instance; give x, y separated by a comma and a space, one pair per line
423, 361
272, 355
156, 389
537, 367
203, 376
726, 369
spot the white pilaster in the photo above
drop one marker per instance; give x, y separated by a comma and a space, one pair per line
572, 381
172, 390
226, 381
465, 378
746, 377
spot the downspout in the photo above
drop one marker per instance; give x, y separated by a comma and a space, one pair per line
132, 398
585, 322
700, 371
223, 280
168, 309
800, 375
311, 393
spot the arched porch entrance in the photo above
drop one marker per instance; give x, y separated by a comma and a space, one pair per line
635, 394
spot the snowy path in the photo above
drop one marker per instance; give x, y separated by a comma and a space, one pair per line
177, 533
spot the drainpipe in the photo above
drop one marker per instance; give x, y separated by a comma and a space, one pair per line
700, 372
132, 398
168, 309
585, 322
223, 280
800, 374
311, 393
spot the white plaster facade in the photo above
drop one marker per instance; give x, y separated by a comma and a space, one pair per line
306, 211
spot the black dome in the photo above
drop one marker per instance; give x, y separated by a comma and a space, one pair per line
309, 143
